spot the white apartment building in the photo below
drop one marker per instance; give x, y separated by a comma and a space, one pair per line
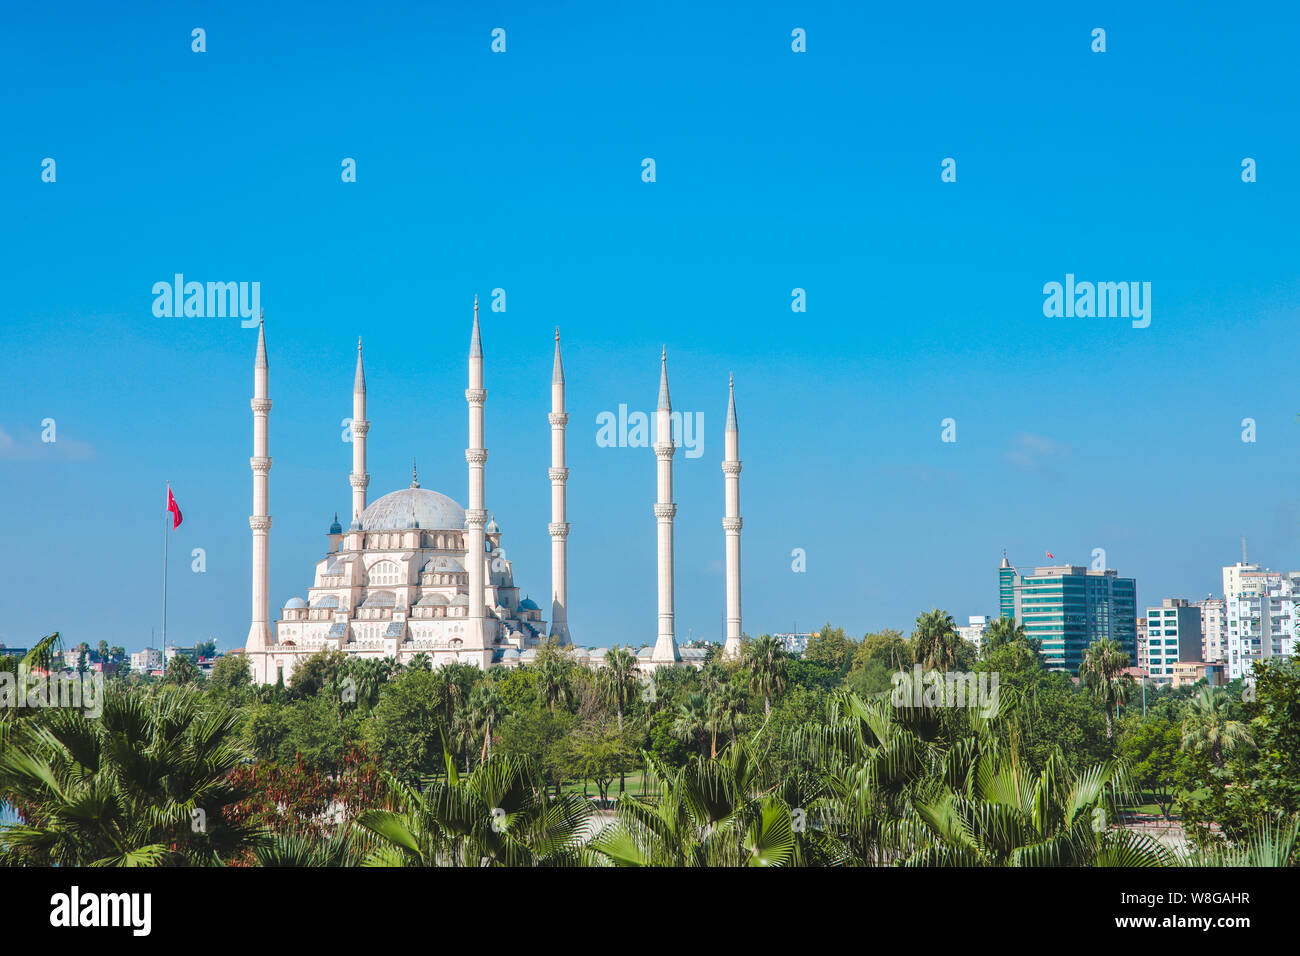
973, 630
1214, 631
1260, 608
149, 659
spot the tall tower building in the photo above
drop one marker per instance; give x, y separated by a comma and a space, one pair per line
732, 522
359, 479
1068, 608
476, 515
259, 632
665, 650
559, 526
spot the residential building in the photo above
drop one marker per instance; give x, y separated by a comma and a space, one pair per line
1213, 628
1260, 608
1173, 636
973, 630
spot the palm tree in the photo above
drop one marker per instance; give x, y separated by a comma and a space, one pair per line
619, 678
712, 812
1207, 728
1005, 630
729, 702
1102, 670
1273, 843
767, 668
1004, 816
306, 848
486, 708
554, 683
692, 720
455, 681
145, 783
936, 639
499, 815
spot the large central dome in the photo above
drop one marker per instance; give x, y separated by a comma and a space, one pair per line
433, 512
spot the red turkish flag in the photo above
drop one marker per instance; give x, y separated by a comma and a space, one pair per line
1049, 554
174, 508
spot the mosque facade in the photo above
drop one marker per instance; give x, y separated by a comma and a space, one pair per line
414, 573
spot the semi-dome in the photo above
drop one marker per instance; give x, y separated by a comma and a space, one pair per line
432, 511
296, 603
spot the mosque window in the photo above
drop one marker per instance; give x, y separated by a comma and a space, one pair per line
385, 573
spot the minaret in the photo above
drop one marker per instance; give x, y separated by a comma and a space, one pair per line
665, 643
475, 515
731, 522
559, 526
259, 633
359, 479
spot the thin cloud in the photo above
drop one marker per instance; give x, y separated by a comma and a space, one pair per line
1036, 454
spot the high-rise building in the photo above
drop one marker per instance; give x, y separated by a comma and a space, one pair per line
973, 630
1068, 608
1173, 635
1260, 607
1213, 628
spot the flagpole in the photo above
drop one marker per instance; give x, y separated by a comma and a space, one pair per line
164, 634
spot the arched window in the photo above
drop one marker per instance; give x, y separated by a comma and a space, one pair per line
385, 573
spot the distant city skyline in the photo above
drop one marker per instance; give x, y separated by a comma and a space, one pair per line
776, 172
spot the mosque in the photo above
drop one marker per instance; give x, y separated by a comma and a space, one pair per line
415, 573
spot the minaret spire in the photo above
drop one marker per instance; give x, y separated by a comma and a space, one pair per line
260, 639
359, 479
478, 638
665, 650
731, 522
559, 526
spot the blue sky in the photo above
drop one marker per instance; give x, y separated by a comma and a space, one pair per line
775, 170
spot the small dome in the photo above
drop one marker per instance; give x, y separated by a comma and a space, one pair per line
295, 603
460, 600
431, 600
528, 604
336, 528
492, 527
442, 564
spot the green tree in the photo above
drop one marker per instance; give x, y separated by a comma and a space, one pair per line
1102, 671
499, 815
405, 728
831, 646
1208, 729
1004, 630
181, 670
1156, 764
618, 679
935, 642
146, 783
230, 674
766, 661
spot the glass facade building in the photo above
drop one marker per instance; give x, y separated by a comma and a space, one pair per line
1069, 607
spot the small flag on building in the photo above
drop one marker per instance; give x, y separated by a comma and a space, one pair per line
1049, 554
